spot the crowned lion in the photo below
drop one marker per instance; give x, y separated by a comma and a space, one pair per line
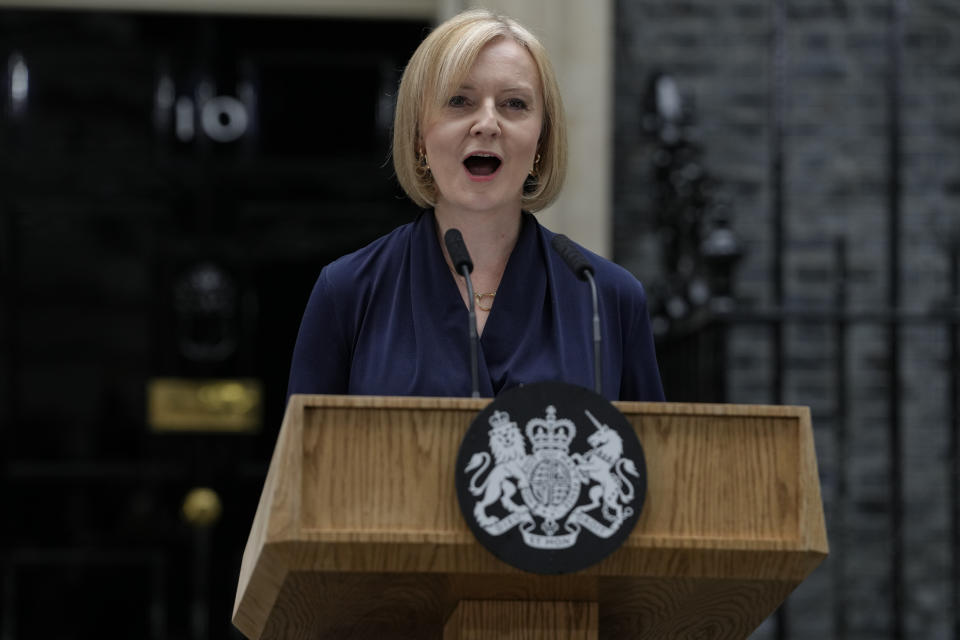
509, 451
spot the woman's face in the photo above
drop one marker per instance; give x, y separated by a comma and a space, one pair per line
481, 144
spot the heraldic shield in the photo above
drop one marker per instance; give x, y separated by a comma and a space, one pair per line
551, 477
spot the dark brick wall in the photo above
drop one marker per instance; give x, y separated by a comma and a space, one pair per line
837, 120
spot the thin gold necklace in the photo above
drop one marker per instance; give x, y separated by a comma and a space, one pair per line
478, 296
481, 296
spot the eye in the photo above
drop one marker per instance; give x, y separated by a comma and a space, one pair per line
516, 103
457, 101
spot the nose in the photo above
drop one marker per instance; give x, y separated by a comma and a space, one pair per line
487, 123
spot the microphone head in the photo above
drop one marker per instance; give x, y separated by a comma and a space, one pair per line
457, 249
571, 255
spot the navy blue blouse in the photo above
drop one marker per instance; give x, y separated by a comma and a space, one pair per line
389, 320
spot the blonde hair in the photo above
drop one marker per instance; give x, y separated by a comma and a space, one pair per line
437, 67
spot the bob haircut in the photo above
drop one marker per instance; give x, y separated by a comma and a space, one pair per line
438, 67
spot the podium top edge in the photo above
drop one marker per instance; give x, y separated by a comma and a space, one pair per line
476, 404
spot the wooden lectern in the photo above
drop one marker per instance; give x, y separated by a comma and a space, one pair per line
358, 533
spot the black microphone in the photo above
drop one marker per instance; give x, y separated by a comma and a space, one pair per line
574, 259
460, 257
457, 249
583, 270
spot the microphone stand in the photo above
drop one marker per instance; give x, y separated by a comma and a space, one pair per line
460, 257
596, 333
583, 270
473, 334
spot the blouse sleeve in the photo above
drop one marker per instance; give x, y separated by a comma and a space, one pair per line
321, 357
641, 375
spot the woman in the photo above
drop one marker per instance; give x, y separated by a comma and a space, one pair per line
479, 141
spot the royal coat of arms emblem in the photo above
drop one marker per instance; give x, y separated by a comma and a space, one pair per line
550, 479
530, 481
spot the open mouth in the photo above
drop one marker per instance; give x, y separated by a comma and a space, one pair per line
482, 164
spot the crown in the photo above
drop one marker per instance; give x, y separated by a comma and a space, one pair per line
551, 434
500, 421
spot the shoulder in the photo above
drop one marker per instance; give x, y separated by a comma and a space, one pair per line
383, 255
614, 278
613, 281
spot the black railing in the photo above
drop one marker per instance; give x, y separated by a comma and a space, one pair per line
691, 367
953, 389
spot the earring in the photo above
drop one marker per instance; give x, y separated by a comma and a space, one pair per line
423, 167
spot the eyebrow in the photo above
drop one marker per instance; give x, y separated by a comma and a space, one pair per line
521, 88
